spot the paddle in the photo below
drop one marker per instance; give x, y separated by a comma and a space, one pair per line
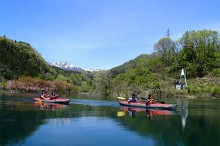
40, 100
162, 102
120, 113
143, 98
122, 98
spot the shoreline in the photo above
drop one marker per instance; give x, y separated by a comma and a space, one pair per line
96, 95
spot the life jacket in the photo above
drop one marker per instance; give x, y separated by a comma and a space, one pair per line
151, 101
134, 99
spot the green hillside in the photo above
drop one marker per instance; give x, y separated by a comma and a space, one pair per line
198, 52
20, 59
25, 68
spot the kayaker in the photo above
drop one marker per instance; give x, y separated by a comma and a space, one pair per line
43, 95
133, 98
150, 100
53, 96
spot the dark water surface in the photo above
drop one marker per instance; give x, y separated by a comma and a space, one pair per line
105, 123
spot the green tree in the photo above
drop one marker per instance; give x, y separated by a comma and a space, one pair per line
165, 48
199, 52
104, 82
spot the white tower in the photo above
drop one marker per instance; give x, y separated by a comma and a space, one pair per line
182, 82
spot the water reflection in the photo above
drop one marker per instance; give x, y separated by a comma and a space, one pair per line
149, 112
50, 106
90, 122
183, 110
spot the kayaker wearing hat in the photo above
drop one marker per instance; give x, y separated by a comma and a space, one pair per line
133, 98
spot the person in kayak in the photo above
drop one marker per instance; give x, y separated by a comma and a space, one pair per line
150, 100
43, 95
53, 96
133, 98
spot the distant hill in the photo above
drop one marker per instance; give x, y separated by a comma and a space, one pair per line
140, 61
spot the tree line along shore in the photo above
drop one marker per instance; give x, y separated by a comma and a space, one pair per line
23, 69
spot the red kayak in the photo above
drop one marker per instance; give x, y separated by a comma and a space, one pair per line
57, 100
142, 104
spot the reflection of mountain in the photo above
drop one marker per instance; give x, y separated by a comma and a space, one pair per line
28, 117
162, 128
17, 125
19, 121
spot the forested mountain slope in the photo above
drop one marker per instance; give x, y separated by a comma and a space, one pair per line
198, 52
20, 59
26, 68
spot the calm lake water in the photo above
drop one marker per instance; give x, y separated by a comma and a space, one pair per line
105, 123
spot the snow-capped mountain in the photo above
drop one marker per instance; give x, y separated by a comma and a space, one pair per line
66, 66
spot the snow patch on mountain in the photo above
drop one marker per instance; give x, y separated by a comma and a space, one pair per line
66, 66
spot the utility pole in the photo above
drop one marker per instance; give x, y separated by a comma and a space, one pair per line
168, 33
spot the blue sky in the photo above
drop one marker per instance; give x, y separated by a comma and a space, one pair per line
102, 34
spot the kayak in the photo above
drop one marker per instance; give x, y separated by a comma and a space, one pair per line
142, 104
57, 100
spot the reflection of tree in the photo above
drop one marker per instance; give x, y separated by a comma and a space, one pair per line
19, 120
197, 127
16, 125
164, 129
24, 119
